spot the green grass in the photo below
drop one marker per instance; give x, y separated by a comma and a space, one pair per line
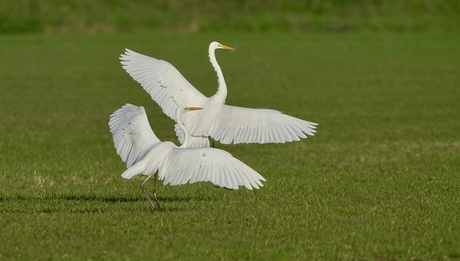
380, 181
112, 16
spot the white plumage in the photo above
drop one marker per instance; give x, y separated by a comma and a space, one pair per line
224, 123
145, 154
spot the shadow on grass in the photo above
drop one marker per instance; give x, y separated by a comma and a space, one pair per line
76, 197
89, 203
107, 198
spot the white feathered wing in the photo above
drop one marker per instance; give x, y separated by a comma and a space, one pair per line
131, 132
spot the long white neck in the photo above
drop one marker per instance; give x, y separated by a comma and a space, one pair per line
181, 125
222, 89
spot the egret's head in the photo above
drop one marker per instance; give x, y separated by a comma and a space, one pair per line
215, 45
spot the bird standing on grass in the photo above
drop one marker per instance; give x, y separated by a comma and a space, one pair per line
145, 154
224, 123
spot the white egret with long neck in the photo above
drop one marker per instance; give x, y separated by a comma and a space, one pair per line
144, 154
224, 123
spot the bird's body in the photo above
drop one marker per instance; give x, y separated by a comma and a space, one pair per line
224, 123
145, 154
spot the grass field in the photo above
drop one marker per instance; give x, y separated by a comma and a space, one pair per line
379, 181
198, 16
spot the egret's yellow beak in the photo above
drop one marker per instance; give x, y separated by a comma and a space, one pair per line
193, 108
226, 47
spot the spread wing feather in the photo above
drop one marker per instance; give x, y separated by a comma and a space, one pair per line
162, 81
246, 125
208, 164
132, 135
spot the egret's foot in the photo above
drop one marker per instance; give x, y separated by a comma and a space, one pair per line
156, 199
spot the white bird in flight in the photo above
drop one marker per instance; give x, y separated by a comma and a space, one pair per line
225, 123
145, 154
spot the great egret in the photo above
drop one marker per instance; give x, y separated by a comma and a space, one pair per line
224, 123
145, 154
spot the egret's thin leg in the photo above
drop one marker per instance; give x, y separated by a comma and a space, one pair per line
155, 190
147, 194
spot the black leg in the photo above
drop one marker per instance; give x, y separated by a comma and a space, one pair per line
155, 191
147, 194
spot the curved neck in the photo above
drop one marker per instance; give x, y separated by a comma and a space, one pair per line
181, 125
222, 89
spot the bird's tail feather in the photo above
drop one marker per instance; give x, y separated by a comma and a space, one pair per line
133, 171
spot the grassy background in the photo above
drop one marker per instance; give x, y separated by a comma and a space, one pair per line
176, 16
380, 181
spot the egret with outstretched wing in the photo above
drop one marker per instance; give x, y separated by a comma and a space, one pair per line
224, 123
145, 154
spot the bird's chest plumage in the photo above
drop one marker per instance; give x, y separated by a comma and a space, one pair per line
204, 122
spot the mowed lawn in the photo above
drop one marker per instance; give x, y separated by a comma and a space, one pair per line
379, 181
